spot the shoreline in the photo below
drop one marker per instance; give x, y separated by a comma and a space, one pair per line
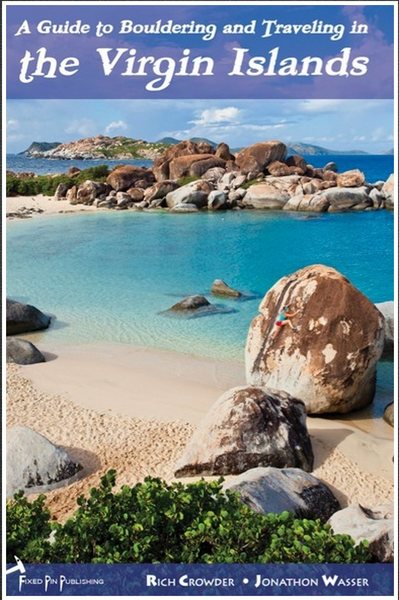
134, 410
20, 208
42, 206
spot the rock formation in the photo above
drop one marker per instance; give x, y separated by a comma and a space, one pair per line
259, 177
374, 525
387, 311
195, 193
35, 462
254, 159
248, 427
24, 317
23, 352
220, 288
329, 360
190, 303
271, 490
164, 164
389, 414
127, 176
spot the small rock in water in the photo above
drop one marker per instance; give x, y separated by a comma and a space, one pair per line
271, 490
23, 352
374, 525
248, 427
220, 288
190, 303
33, 461
24, 317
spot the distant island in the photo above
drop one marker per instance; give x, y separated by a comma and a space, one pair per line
39, 147
121, 147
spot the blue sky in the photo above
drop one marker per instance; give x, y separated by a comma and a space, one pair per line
335, 124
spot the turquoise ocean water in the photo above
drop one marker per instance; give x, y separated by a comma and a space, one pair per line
107, 276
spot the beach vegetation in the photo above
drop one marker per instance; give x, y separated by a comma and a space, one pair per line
47, 184
28, 529
132, 149
248, 184
156, 522
187, 179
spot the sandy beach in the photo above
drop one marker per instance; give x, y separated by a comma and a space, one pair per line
47, 204
131, 409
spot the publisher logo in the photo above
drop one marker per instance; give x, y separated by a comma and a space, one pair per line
19, 567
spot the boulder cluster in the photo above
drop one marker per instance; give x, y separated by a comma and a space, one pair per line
324, 363
190, 176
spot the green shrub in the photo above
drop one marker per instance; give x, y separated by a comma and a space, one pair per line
153, 522
47, 184
185, 180
98, 173
28, 529
248, 184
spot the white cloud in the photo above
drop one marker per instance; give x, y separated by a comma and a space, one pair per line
12, 124
319, 106
116, 126
217, 115
83, 127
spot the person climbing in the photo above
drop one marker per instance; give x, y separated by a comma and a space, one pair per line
284, 318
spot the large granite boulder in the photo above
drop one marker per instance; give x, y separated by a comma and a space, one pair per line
295, 160
24, 317
374, 525
23, 352
266, 196
34, 463
307, 203
157, 191
161, 166
184, 208
248, 427
126, 176
329, 360
388, 190
217, 200
61, 190
353, 178
271, 490
71, 194
223, 151
281, 169
88, 191
214, 175
194, 165
387, 310
195, 193
137, 194
341, 199
254, 159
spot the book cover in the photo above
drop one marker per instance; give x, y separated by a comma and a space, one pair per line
200, 283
